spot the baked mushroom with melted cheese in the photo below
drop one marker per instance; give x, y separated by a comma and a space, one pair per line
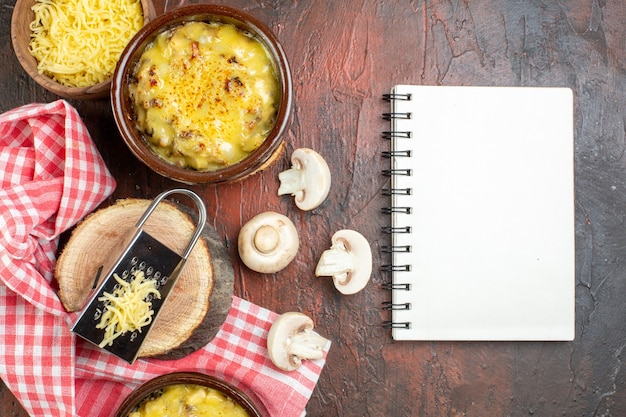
205, 95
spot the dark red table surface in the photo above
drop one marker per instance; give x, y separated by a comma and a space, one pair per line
344, 56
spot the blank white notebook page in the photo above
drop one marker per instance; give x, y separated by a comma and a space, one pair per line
491, 242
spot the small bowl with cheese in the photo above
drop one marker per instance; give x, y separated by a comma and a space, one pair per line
189, 393
71, 47
202, 94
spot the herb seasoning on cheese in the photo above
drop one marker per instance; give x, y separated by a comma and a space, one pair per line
205, 95
78, 42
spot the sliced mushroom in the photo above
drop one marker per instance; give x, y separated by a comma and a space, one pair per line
291, 340
308, 179
268, 242
348, 261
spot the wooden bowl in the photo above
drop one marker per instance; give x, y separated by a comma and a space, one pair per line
146, 390
20, 37
125, 118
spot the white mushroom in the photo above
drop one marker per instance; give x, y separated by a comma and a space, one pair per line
348, 261
268, 242
308, 179
291, 340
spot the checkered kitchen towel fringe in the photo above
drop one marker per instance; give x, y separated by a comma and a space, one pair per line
51, 176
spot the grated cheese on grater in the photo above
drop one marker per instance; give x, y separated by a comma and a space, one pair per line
128, 308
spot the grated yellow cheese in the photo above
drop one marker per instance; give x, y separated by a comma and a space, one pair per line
127, 307
78, 42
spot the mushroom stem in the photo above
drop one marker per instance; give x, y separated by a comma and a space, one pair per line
306, 345
291, 182
336, 262
266, 239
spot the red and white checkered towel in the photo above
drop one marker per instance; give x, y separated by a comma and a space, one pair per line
51, 176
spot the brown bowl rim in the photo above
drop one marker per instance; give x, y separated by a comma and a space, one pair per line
20, 29
142, 392
122, 109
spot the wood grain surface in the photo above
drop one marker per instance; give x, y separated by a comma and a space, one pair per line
199, 302
344, 56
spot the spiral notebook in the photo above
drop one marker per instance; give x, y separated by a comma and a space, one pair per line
482, 213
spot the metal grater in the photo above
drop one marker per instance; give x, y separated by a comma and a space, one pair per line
157, 261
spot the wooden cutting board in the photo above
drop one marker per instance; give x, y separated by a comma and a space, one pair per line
200, 300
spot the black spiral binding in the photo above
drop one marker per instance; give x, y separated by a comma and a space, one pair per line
396, 325
392, 287
397, 191
389, 210
397, 154
397, 96
398, 137
396, 134
388, 305
401, 229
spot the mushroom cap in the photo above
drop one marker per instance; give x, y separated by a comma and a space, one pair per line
313, 179
359, 269
268, 242
291, 339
